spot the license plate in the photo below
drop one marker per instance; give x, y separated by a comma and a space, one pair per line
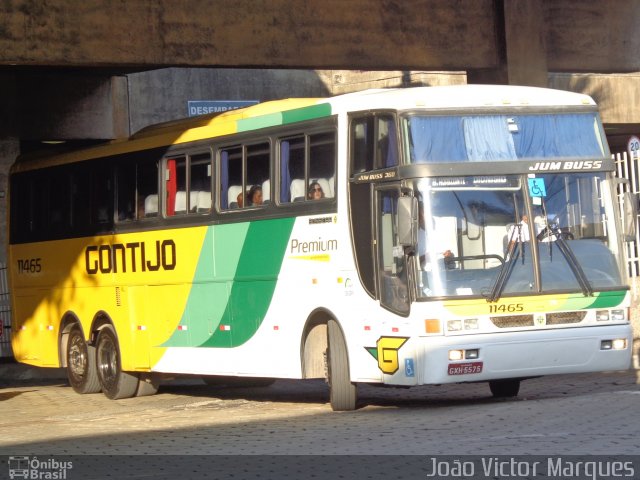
465, 368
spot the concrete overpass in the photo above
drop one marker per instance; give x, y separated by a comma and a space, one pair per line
521, 35
101, 69
59, 54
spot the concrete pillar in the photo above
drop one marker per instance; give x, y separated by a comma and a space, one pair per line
9, 150
8, 101
525, 33
520, 45
73, 107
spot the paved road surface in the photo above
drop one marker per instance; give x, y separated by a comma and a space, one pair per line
594, 414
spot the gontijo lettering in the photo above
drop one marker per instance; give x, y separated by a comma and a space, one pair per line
135, 256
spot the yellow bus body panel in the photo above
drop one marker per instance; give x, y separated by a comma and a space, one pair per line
83, 278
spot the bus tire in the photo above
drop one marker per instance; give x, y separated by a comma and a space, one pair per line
342, 393
116, 384
505, 388
147, 385
81, 363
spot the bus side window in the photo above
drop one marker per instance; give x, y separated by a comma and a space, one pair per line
374, 143
292, 168
40, 211
126, 191
59, 202
257, 172
22, 207
307, 162
362, 145
80, 191
322, 165
101, 193
147, 188
230, 176
387, 142
175, 185
200, 183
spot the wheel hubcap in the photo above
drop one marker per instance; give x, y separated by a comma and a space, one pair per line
108, 364
77, 357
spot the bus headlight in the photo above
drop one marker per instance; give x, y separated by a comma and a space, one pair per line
615, 344
454, 325
456, 355
619, 344
470, 323
472, 354
617, 315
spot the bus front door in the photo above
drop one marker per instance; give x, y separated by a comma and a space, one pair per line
392, 263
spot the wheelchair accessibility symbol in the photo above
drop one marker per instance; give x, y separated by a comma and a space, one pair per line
537, 187
409, 370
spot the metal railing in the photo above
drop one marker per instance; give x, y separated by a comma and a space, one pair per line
5, 314
627, 167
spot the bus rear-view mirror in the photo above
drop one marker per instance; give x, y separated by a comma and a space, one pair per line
407, 221
629, 216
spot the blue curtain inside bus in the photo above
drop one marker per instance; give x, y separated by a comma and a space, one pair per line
498, 137
487, 139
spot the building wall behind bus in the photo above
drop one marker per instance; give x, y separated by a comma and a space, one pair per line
162, 95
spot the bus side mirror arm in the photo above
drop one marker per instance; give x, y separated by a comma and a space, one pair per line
407, 221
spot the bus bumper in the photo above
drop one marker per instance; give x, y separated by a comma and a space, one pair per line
522, 354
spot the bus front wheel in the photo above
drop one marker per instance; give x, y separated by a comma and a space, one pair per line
505, 388
81, 363
342, 393
115, 383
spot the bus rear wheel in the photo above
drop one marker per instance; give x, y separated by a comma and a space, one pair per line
342, 393
81, 363
116, 384
505, 388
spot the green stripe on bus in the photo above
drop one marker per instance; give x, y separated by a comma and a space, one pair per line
208, 296
608, 299
306, 113
233, 284
262, 121
255, 282
599, 300
282, 118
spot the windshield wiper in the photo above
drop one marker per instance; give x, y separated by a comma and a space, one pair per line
514, 250
572, 261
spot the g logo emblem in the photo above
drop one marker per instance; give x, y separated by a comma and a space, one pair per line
386, 352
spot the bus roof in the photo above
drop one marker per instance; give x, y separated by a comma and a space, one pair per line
280, 112
459, 96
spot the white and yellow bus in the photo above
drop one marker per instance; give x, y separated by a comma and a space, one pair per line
400, 237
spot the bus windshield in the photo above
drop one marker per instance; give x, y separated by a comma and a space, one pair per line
469, 138
479, 236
